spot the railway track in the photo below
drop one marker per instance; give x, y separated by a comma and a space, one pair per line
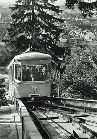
56, 121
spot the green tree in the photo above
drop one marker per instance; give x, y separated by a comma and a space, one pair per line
35, 24
87, 8
80, 78
3, 101
6, 53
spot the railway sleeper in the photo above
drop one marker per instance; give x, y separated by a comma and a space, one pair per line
45, 127
51, 130
42, 129
81, 108
82, 119
73, 117
87, 127
48, 118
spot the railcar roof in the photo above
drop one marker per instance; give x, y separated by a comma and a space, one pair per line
30, 56
33, 56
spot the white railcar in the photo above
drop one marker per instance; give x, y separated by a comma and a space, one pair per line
29, 75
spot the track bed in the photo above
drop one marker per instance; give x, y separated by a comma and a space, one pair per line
55, 121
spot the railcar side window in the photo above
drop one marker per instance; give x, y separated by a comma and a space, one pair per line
18, 72
12, 70
49, 70
35, 73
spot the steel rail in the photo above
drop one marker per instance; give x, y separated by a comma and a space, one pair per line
76, 118
39, 124
76, 121
54, 105
57, 124
48, 136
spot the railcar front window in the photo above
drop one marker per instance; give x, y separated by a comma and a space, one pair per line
35, 73
26, 73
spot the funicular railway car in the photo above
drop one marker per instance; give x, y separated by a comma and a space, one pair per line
29, 75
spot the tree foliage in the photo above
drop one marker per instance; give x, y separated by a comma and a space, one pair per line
6, 53
86, 7
35, 24
2, 92
80, 76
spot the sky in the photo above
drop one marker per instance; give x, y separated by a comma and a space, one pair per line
7, 1
60, 2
